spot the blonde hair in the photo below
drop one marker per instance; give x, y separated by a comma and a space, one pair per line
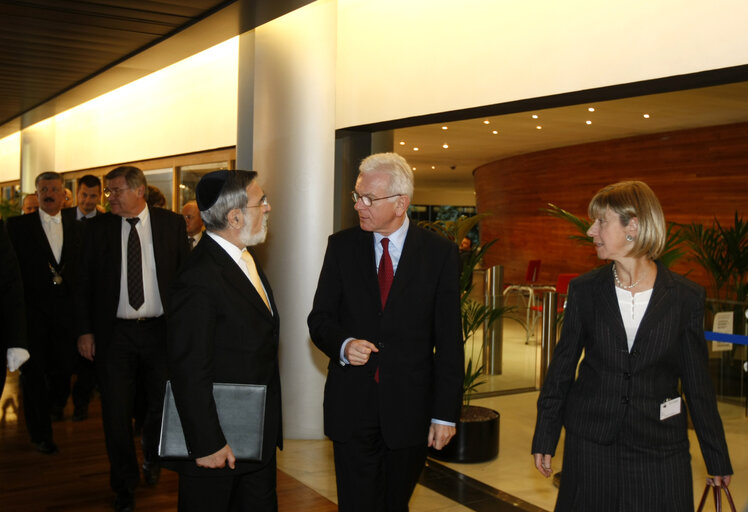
631, 199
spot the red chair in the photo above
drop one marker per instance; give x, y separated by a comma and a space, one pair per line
561, 288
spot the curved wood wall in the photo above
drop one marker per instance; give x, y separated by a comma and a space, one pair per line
697, 174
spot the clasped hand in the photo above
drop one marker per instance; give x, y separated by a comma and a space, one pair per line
357, 352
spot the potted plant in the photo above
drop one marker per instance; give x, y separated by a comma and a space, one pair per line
477, 437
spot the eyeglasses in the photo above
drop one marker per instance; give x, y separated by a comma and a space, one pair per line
115, 191
263, 202
367, 200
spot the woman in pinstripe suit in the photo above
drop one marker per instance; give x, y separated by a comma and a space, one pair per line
641, 329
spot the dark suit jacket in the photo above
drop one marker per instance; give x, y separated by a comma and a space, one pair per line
219, 330
618, 390
71, 213
98, 285
12, 310
44, 299
422, 314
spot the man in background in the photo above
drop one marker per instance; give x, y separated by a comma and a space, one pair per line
88, 198
29, 204
47, 247
387, 314
191, 215
130, 259
223, 327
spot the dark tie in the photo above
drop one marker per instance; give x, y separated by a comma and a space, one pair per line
385, 273
191, 240
134, 267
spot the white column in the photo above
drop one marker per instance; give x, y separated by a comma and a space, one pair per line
286, 132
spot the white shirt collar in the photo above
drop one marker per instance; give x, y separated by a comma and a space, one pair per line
397, 237
233, 251
50, 218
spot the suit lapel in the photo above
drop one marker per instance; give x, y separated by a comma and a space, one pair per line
611, 311
237, 281
365, 263
41, 237
659, 303
409, 258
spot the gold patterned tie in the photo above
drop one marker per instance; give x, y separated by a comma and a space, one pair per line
254, 277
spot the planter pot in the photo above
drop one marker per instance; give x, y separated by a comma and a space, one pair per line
477, 437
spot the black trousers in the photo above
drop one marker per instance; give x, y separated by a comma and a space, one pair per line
247, 492
137, 350
45, 377
85, 382
370, 476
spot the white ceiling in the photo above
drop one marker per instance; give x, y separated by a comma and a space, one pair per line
472, 143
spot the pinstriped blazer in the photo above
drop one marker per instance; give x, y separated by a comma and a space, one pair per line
616, 389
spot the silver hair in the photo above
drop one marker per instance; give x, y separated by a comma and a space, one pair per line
401, 175
233, 196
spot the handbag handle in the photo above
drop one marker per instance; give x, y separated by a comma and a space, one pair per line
717, 498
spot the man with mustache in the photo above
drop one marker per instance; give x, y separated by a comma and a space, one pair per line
47, 247
129, 261
223, 328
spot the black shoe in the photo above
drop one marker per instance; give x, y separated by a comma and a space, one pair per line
80, 413
124, 501
151, 472
46, 447
55, 415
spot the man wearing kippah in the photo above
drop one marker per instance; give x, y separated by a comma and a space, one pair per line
130, 259
223, 328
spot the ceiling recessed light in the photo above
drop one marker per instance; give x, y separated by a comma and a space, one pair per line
433, 167
402, 142
495, 132
445, 146
486, 122
538, 127
646, 116
591, 109
414, 168
588, 122
534, 116
415, 149
445, 127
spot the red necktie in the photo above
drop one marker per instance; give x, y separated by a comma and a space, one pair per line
385, 273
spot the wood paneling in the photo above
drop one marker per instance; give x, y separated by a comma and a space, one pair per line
697, 174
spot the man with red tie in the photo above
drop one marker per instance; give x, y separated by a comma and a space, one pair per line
387, 314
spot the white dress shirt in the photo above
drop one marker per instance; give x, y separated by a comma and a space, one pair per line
152, 306
632, 308
52, 226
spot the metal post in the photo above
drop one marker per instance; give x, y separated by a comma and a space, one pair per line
548, 335
493, 337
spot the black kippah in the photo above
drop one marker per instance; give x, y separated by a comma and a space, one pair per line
209, 189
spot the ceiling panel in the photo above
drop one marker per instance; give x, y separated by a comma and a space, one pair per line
48, 46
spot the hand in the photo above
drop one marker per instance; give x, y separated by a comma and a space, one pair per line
87, 346
440, 435
358, 351
218, 459
16, 356
543, 463
719, 481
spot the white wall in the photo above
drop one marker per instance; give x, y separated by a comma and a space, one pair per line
405, 58
186, 107
10, 157
287, 134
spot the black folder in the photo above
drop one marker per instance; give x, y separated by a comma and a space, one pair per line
241, 413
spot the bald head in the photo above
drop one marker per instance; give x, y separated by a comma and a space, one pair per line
192, 218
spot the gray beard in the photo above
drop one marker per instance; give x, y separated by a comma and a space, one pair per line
246, 237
